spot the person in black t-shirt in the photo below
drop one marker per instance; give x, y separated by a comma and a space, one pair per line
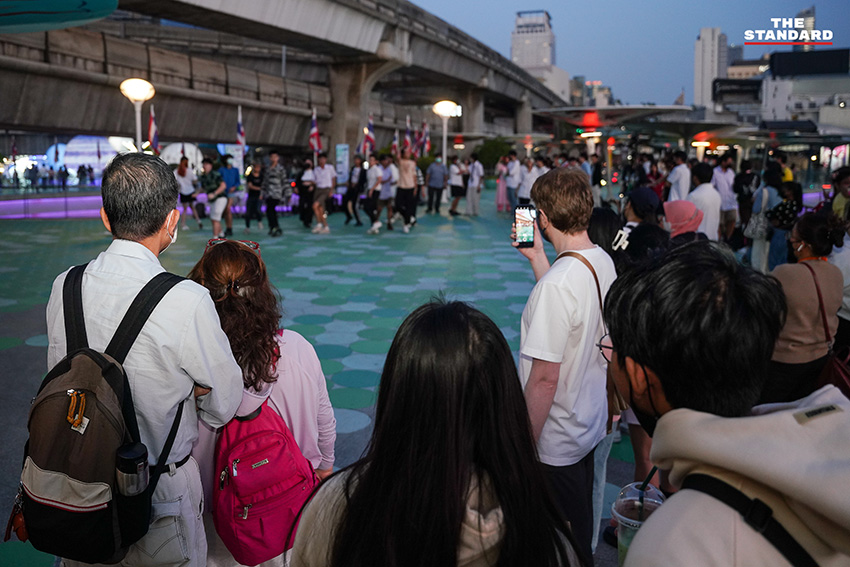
254, 182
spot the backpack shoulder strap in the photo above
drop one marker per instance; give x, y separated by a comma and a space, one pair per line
138, 313
72, 306
756, 513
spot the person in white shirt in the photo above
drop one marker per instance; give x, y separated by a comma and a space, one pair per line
180, 355
528, 175
707, 199
456, 183
513, 179
188, 186
473, 190
324, 175
723, 180
560, 367
679, 178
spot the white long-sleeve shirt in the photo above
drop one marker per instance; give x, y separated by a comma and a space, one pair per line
180, 346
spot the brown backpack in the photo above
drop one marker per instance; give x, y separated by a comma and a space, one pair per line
83, 414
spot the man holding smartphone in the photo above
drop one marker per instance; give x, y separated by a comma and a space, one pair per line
561, 370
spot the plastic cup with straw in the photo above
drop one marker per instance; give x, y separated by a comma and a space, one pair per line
634, 504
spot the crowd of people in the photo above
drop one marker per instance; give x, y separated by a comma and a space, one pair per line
474, 460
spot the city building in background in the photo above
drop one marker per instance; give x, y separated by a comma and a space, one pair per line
748, 68
710, 62
533, 49
734, 53
808, 16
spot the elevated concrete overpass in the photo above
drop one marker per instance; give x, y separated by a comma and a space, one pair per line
353, 58
369, 41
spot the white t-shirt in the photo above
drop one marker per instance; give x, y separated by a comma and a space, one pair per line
528, 176
325, 176
308, 176
722, 181
186, 182
514, 174
562, 322
680, 182
707, 199
476, 174
455, 177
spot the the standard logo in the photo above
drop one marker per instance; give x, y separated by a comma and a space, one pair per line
788, 31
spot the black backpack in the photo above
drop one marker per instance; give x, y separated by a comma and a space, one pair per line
83, 414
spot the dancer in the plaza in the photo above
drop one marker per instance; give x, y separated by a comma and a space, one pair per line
477, 497
475, 185
385, 194
306, 184
181, 350
561, 370
254, 182
373, 192
502, 202
325, 176
405, 200
456, 184
213, 185
356, 185
188, 181
278, 365
273, 182
231, 179
528, 175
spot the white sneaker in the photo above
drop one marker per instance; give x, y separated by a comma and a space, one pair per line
412, 221
405, 229
325, 230
373, 230
316, 229
377, 224
397, 217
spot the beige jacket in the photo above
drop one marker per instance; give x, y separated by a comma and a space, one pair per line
795, 457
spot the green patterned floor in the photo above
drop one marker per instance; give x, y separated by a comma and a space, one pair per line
346, 292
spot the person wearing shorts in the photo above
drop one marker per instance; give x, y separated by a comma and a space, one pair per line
213, 185
186, 181
325, 176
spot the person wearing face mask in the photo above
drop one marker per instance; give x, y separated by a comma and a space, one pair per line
181, 353
561, 371
691, 336
801, 351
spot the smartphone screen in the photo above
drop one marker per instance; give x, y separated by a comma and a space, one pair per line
524, 219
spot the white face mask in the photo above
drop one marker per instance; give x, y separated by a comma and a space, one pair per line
172, 236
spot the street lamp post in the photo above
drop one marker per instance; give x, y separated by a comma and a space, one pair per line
137, 91
445, 109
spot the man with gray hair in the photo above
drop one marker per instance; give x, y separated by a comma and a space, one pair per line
180, 354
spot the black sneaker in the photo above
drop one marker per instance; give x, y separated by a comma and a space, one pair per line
277, 232
454, 213
228, 232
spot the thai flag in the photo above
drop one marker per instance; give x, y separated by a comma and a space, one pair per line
315, 140
426, 139
153, 133
417, 143
407, 142
14, 150
395, 142
369, 140
240, 130
98, 151
183, 148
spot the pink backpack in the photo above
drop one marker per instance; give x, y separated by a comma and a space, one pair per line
263, 482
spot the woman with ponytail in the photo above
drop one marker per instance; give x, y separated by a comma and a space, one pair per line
814, 290
278, 365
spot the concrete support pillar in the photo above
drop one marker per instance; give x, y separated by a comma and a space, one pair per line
350, 85
472, 102
523, 116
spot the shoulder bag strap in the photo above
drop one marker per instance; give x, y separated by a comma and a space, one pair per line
820, 303
756, 513
585, 261
72, 306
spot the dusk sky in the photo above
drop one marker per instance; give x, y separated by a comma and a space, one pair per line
643, 50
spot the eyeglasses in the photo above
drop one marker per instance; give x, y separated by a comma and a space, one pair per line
249, 243
603, 345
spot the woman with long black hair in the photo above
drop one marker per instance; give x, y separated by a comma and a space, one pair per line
450, 476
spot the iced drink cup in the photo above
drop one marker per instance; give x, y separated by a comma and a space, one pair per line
631, 509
